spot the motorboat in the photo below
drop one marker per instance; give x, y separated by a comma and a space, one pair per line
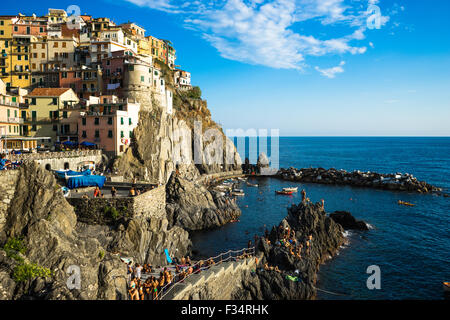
284, 193
293, 189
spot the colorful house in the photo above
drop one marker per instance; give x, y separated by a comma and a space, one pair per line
109, 125
44, 112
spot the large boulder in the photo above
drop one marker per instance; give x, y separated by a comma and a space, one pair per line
192, 207
297, 277
347, 221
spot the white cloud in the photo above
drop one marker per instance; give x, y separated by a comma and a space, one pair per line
262, 32
331, 72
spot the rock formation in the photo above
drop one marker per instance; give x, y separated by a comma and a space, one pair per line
297, 277
397, 181
347, 221
47, 227
193, 207
162, 140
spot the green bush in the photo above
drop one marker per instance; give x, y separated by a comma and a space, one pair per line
13, 247
194, 93
23, 271
29, 271
111, 211
101, 254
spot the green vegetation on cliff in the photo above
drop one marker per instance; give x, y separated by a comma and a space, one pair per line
23, 271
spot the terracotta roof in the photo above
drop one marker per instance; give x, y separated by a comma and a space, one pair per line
48, 92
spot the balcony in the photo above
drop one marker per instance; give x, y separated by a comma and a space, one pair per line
10, 104
15, 120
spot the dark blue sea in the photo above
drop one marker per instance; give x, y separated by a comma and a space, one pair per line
409, 244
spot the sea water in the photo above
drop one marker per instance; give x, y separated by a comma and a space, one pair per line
409, 244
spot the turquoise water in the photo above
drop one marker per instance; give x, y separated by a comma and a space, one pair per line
409, 244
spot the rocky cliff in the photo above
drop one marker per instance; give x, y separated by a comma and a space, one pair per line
192, 207
163, 140
297, 277
42, 238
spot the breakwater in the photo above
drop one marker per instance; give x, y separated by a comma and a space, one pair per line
394, 182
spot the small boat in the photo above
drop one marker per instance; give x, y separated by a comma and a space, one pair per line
446, 286
285, 193
403, 203
242, 179
238, 193
252, 184
291, 189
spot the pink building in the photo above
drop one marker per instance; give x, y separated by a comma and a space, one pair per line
109, 125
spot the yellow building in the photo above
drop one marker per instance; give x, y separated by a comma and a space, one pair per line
45, 112
144, 47
6, 23
158, 49
56, 16
20, 73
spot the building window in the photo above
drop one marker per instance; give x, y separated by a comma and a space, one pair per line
110, 134
55, 101
33, 115
34, 128
121, 134
121, 121
97, 133
110, 120
83, 121
97, 121
65, 114
83, 135
129, 121
55, 127
131, 134
142, 79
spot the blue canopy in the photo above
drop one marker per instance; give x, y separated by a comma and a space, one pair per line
86, 181
69, 143
87, 144
63, 174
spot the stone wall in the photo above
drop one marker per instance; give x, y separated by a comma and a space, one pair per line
59, 160
8, 181
219, 175
150, 204
220, 282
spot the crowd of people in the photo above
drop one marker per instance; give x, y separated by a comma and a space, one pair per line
6, 164
154, 284
286, 238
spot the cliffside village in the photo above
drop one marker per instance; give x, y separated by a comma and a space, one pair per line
64, 81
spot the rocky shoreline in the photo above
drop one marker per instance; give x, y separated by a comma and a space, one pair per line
394, 182
289, 277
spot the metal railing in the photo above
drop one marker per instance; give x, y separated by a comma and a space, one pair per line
230, 255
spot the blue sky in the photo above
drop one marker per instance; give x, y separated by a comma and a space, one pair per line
306, 67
